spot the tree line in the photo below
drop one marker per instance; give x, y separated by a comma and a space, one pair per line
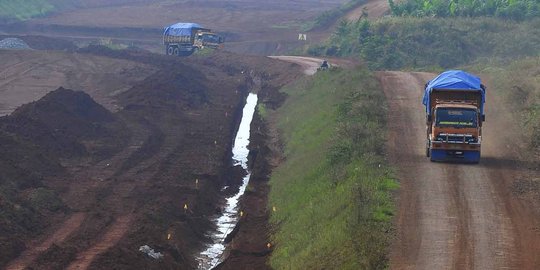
510, 9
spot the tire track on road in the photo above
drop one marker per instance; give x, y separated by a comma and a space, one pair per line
452, 216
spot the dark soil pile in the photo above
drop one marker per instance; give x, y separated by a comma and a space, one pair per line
33, 142
161, 161
67, 124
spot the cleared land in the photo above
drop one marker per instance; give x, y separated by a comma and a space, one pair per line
250, 26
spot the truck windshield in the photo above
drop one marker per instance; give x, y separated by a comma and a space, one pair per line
210, 38
456, 117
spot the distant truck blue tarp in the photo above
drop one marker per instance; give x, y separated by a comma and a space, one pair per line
457, 80
182, 29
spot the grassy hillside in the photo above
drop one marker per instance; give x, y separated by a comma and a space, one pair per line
396, 43
332, 194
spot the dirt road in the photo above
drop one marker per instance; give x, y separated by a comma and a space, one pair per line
457, 216
373, 9
249, 26
310, 64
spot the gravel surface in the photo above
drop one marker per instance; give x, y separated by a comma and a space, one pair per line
13, 43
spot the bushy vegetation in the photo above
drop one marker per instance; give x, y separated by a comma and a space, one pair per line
27, 9
23, 10
519, 83
395, 43
511, 9
328, 17
332, 194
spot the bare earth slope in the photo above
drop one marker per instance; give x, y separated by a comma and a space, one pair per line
26, 76
179, 118
456, 216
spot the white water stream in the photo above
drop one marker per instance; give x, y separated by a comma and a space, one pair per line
226, 222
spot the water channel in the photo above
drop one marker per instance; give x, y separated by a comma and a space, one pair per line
225, 223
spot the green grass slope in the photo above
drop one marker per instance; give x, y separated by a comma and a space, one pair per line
332, 194
396, 43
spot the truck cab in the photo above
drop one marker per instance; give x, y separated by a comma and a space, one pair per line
455, 132
208, 39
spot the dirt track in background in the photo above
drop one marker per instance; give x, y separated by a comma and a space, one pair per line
249, 26
457, 216
374, 9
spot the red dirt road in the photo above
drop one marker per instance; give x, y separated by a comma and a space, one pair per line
113, 234
64, 231
374, 9
457, 216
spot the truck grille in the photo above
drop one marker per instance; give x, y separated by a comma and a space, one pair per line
456, 138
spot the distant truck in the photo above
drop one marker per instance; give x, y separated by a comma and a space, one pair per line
183, 39
454, 102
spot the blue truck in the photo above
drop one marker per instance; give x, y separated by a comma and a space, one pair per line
454, 104
183, 39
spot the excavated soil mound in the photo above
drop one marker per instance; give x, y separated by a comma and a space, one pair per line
36, 43
33, 142
66, 123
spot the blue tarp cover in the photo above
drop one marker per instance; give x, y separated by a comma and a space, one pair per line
454, 79
181, 29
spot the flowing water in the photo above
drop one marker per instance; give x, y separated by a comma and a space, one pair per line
210, 257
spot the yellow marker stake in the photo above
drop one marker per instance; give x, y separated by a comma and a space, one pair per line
241, 213
268, 245
197, 183
169, 236
185, 208
274, 208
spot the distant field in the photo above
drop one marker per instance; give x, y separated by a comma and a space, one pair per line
24, 10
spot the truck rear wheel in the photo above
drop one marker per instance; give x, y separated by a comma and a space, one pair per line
176, 51
170, 50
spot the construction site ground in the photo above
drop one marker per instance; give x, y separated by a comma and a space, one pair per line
178, 119
157, 181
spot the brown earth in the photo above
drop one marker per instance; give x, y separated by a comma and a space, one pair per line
249, 26
26, 76
457, 216
178, 121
